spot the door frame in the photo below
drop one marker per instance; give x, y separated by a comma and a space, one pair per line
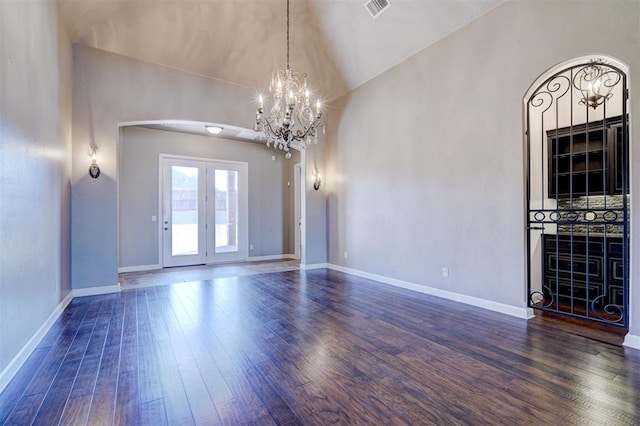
297, 210
243, 216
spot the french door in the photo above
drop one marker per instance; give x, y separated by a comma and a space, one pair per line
204, 211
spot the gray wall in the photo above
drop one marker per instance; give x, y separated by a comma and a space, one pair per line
109, 89
270, 199
35, 145
426, 161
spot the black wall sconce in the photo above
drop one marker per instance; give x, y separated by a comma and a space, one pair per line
94, 169
316, 179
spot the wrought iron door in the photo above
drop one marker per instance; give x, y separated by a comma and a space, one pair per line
578, 193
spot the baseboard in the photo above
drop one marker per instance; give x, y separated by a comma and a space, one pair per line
310, 266
95, 291
526, 313
139, 268
12, 368
271, 257
631, 341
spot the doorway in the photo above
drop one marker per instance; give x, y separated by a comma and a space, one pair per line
577, 149
204, 211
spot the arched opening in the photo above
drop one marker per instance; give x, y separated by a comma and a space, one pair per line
577, 191
229, 200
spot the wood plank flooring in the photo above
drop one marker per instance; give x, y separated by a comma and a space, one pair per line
313, 347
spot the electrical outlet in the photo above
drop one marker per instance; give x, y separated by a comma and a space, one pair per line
445, 272
153, 218
250, 246
346, 255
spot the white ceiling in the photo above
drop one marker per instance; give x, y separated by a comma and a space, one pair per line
241, 41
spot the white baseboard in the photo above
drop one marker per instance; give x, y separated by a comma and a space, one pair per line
12, 368
526, 313
95, 291
139, 268
271, 257
631, 341
310, 266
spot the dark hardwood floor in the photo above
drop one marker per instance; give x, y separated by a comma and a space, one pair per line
313, 347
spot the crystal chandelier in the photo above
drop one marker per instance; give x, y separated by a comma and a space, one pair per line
291, 105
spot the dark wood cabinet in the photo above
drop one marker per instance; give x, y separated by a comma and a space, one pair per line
586, 159
573, 263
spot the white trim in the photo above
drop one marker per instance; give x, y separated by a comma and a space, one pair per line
310, 266
297, 209
303, 207
139, 268
271, 257
515, 311
631, 341
14, 365
95, 291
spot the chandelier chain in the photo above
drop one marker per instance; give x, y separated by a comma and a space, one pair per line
288, 67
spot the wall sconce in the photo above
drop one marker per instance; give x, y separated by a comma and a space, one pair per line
94, 169
316, 179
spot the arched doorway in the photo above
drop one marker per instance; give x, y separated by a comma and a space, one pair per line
577, 148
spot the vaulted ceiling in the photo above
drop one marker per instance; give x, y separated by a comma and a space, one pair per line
335, 41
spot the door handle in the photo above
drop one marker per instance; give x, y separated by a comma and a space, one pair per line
536, 228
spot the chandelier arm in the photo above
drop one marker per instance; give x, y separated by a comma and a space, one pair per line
310, 131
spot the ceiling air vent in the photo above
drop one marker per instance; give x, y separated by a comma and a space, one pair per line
376, 7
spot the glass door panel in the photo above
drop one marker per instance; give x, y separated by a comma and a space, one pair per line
184, 212
226, 211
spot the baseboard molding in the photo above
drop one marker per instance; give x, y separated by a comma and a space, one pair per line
271, 257
96, 291
12, 368
310, 266
139, 268
525, 313
631, 341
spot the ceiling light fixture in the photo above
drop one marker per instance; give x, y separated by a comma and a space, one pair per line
595, 82
214, 130
290, 102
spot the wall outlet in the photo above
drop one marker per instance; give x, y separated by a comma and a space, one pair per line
346, 255
153, 218
250, 246
445, 272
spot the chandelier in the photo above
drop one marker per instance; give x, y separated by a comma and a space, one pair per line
595, 82
292, 121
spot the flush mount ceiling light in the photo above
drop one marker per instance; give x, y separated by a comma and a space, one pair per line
595, 82
214, 130
292, 121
